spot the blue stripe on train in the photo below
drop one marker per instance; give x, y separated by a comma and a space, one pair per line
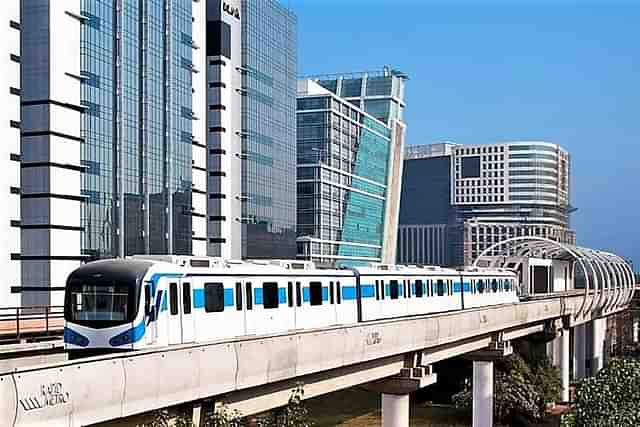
349, 292
367, 291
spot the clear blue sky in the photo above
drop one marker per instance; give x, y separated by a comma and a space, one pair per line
484, 71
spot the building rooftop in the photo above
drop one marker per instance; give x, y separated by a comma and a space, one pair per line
386, 71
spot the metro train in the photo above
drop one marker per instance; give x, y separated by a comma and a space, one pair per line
153, 301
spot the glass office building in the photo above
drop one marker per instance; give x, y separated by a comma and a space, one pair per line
136, 127
379, 96
343, 166
269, 67
479, 195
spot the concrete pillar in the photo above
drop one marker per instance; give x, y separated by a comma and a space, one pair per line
597, 356
579, 352
564, 364
197, 419
482, 393
395, 410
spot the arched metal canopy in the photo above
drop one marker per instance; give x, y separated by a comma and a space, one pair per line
609, 279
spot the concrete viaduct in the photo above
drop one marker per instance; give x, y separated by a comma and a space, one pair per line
254, 374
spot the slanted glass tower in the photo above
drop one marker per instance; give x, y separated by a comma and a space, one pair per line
348, 182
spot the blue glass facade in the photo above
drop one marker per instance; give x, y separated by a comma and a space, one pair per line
343, 165
137, 152
269, 60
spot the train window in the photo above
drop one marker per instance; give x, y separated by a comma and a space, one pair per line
382, 289
507, 285
494, 285
249, 296
440, 287
331, 299
377, 289
173, 298
270, 295
481, 286
238, 296
339, 293
451, 289
315, 293
394, 289
298, 294
418, 287
213, 297
186, 298
147, 299
290, 294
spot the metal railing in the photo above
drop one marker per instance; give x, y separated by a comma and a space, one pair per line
18, 322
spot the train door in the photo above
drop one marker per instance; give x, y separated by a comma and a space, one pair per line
151, 332
181, 322
250, 320
174, 327
186, 312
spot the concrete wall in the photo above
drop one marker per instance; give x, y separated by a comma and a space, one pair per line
98, 389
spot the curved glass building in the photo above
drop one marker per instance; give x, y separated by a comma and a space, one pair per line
494, 192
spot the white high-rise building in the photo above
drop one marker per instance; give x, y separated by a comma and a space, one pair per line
10, 151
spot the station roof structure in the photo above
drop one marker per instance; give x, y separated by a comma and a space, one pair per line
608, 278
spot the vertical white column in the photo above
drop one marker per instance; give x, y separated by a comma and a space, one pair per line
564, 364
482, 394
395, 410
597, 361
579, 352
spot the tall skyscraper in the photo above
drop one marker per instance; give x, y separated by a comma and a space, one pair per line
349, 167
269, 76
496, 191
153, 126
106, 133
250, 110
10, 151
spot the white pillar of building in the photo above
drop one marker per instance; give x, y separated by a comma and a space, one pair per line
579, 351
482, 393
597, 355
564, 363
395, 410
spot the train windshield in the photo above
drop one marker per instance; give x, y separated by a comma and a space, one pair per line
99, 304
94, 302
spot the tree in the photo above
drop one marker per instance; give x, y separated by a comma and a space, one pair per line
294, 414
520, 390
610, 399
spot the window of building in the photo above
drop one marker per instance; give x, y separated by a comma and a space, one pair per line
213, 297
270, 295
471, 167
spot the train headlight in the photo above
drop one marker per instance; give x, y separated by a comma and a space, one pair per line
121, 339
74, 338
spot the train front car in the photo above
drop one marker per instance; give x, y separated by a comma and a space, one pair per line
104, 306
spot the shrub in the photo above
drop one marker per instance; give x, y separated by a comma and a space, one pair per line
611, 398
